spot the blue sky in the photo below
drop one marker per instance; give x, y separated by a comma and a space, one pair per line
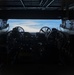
33, 25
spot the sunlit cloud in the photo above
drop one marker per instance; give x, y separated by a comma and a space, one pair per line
30, 29
26, 26
30, 22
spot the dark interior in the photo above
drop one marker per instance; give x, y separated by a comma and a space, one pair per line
50, 52
23, 49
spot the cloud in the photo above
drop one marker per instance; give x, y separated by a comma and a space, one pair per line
33, 25
30, 22
30, 29
24, 22
27, 26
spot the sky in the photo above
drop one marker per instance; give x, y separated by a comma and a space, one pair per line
33, 25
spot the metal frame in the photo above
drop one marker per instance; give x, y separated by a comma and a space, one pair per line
50, 3
45, 3
35, 14
43, 10
41, 2
22, 3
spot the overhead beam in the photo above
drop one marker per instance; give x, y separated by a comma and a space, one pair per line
22, 3
49, 3
29, 14
7, 6
41, 2
72, 7
28, 8
34, 14
45, 2
66, 3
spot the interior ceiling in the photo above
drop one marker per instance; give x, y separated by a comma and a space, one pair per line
30, 4
35, 7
